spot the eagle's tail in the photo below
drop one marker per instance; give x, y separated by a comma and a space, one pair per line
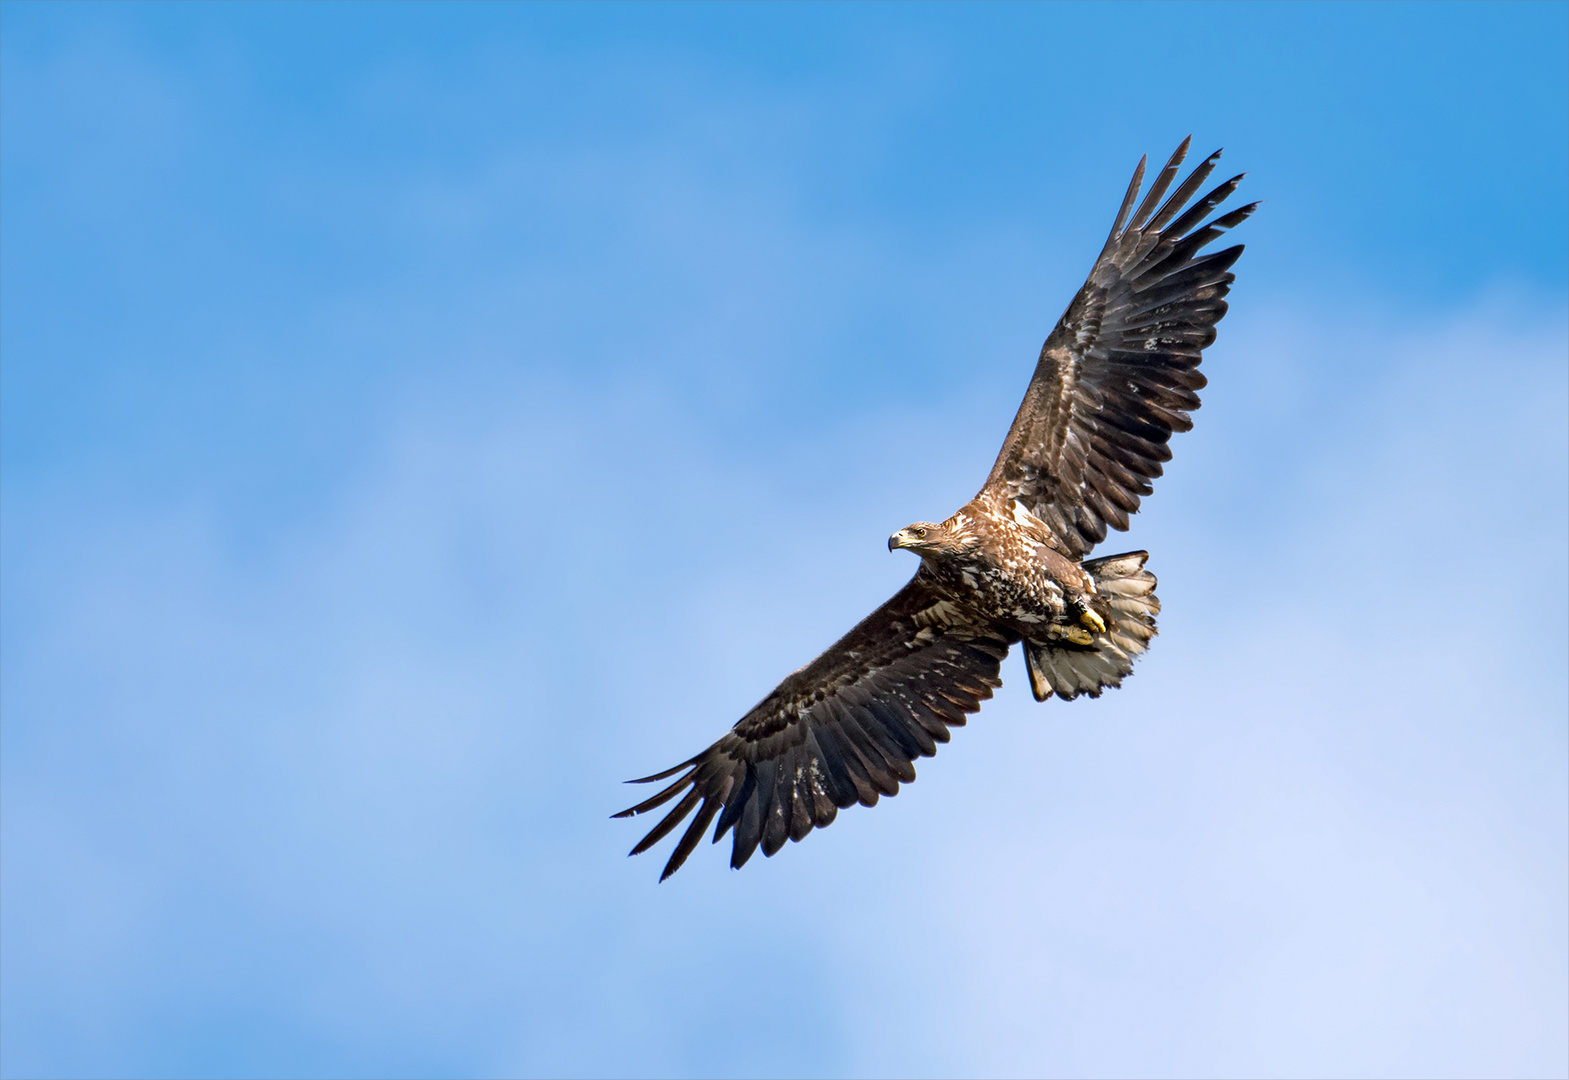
1125, 600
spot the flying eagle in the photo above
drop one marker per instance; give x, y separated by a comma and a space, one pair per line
1117, 376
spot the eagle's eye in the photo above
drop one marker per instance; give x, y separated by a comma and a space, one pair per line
920, 534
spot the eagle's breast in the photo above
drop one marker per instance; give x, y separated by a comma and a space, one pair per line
1000, 570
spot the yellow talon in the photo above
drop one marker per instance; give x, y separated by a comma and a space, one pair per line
1077, 635
1092, 621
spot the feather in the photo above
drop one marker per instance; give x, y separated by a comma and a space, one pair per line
1127, 203
765, 797
794, 800
889, 731
831, 776
776, 820
689, 839
837, 783
931, 722
870, 757
988, 653
666, 773
865, 791
744, 783
748, 830
1180, 197
823, 808
668, 822
895, 716
1197, 212
1158, 188
1139, 427
1188, 280
801, 811
658, 800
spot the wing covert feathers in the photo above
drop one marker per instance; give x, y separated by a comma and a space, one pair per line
1119, 373
845, 729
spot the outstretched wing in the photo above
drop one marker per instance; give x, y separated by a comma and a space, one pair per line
1120, 373
843, 729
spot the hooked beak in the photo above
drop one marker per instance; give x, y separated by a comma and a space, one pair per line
900, 539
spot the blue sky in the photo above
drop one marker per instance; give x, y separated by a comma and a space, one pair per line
416, 420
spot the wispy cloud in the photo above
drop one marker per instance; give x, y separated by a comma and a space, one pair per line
356, 788
414, 429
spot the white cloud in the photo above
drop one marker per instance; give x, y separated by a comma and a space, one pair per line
354, 786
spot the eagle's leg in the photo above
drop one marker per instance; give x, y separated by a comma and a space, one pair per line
1080, 611
1071, 631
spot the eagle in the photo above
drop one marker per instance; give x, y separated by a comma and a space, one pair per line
1116, 377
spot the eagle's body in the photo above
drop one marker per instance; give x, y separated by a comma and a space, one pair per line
999, 563
1115, 378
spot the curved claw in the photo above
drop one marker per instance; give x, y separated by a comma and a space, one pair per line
1092, 621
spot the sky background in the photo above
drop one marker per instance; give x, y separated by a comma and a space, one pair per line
416, 420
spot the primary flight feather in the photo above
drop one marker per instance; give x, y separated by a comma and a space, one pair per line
1116, 377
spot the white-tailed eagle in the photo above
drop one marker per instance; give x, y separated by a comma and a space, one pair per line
1118, 375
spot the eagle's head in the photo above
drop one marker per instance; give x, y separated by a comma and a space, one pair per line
927, 539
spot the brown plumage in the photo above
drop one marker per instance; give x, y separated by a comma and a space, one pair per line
1116, 377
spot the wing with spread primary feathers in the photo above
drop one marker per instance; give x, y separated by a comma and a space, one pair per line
1120, 373
843, 729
